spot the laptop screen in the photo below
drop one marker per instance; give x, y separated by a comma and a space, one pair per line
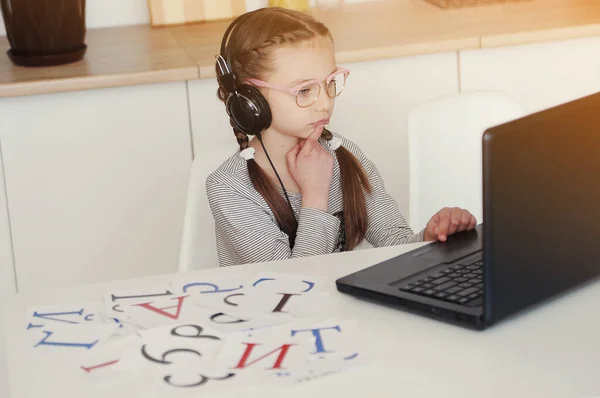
541, 205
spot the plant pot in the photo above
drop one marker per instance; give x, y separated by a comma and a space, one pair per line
45, 32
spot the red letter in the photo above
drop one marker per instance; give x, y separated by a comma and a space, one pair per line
250, 346
164, 313
99, 366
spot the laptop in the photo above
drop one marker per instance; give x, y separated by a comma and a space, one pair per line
539, 237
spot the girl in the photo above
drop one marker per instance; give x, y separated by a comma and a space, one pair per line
297, 189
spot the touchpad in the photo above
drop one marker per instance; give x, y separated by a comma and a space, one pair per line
456, 247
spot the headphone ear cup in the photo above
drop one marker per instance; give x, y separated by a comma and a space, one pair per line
249, 110
261, 103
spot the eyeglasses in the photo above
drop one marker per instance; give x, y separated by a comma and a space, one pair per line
307, 93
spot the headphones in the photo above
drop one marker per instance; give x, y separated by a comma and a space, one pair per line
246, 106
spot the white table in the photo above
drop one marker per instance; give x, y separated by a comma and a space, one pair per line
552, 351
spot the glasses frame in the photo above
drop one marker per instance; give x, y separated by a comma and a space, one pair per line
296, 89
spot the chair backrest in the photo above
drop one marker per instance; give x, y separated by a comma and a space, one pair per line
444, 145
198, 244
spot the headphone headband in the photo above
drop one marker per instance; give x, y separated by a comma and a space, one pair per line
226, 76
247, 108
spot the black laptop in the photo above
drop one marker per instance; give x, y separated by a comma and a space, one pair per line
540, 234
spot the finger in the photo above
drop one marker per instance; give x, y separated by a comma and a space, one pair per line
291, 157
315, 135
431, 230
436, 219
307, 147
311, 142
455, 215
465, 220
433, 224
293, 153
442, 229
472, 222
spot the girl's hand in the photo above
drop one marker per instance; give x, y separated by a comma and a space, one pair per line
311, 166
448, 221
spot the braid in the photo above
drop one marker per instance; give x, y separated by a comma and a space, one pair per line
297, 28
260, 180
246, 61
354, 181
242, 138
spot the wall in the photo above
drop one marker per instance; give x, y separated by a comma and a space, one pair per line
101, 13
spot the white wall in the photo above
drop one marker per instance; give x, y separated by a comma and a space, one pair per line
101, 13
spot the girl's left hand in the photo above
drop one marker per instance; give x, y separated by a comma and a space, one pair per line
448, 221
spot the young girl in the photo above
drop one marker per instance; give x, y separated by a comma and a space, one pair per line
297, 189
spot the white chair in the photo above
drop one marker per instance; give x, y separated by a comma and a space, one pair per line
444, 149
198, 244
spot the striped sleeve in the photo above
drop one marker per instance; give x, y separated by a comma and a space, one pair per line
248, 233
386, 225
317, 233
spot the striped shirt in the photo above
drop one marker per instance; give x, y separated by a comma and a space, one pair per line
247, 232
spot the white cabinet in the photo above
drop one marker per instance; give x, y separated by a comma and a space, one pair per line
538, 76
96, 182
4, 390
373, 109
7, 276
210, 123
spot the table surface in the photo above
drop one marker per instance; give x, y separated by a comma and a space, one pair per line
371, 30
548, 351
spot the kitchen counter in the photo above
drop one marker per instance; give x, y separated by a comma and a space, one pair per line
141, 54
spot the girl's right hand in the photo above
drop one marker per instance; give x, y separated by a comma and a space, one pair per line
311, 166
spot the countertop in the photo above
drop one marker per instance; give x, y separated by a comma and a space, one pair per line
141, 54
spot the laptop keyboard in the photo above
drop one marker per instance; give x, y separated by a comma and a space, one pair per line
462, 284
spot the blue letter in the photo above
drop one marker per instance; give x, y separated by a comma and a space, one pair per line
47, 316
48, 334
318, 338
215, 287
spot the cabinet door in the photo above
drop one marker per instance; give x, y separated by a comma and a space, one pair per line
538, 76
7, 271
96, 182
373, 110
210, 123
7, 276
4, 390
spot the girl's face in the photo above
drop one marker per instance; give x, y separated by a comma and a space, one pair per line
293, 66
